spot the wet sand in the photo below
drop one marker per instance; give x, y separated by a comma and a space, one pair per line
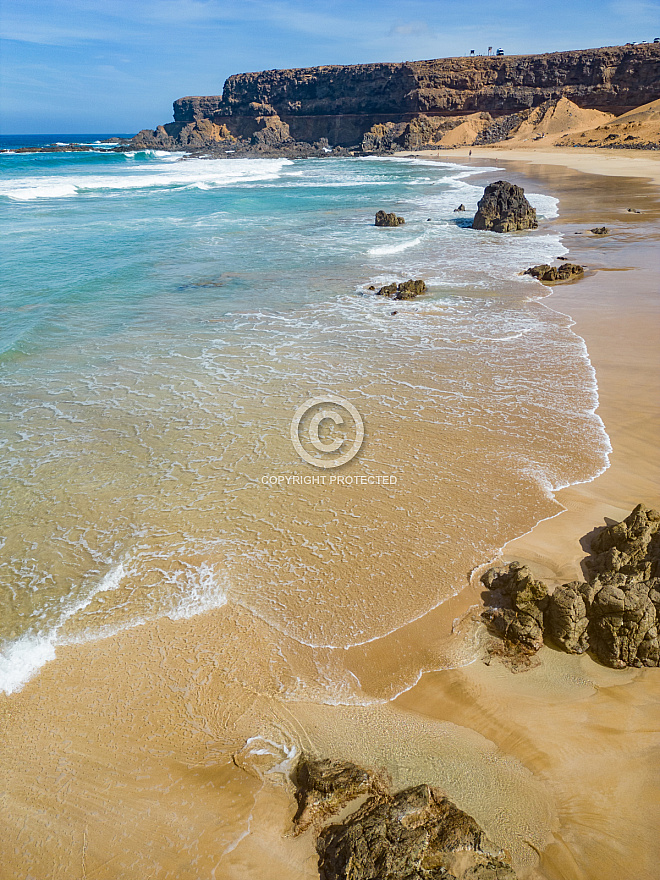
591, 734
131, 756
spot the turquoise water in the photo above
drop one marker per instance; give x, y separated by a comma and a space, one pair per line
161, 318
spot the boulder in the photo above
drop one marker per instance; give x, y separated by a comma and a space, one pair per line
614, 614
418, 834
630, 547
461, 207
600, 230
518, 616
622, 627
550, 274
324, 787
504, 208
566, 620
383, 219
405, 290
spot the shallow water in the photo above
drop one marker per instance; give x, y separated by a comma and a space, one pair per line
164, 317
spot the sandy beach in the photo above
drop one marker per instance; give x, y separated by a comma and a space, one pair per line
144, 754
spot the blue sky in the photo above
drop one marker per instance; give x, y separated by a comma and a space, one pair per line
117, 65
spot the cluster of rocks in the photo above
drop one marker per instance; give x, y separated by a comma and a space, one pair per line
599, 230
551, 274
504, 208
384, 219
500, 130
414, 834
404, 290
614, 613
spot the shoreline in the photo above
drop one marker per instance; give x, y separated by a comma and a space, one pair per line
455, 713
623, 345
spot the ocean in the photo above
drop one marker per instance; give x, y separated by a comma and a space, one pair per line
161, 320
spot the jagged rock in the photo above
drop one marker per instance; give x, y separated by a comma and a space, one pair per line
418, 834
547, 273
600, 230
566, 619
631, 547
324, 787
383, 219
504, 208
461, 207
405, 290
272, 132
519, 617
615, 614
499, 130
622, 627
382, 137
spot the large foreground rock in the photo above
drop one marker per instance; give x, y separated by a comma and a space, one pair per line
614, 614
417, 835
324, 787
504, 208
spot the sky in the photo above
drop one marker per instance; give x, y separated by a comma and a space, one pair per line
106, 66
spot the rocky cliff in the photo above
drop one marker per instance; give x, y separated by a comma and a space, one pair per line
342, 103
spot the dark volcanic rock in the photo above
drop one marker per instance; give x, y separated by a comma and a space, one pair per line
600, 230
405, 290
614, 614
417, 835
550, 274
631, 547
413, 104
383, 219
461, 207
504, 208
622, 625
324, 787
519, 615
566, 619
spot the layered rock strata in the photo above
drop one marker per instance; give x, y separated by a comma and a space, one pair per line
411, 104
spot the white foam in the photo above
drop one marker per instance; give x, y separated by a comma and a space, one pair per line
171, 171
395, 248
200, 588
22, 659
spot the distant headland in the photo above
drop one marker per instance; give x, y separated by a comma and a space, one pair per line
410, 105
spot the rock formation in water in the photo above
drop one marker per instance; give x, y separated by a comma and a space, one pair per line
550, 274
410, 105
415, 834
504, 208
384, 219
404, 290
614, 613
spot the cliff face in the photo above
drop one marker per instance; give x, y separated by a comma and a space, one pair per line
341, 103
